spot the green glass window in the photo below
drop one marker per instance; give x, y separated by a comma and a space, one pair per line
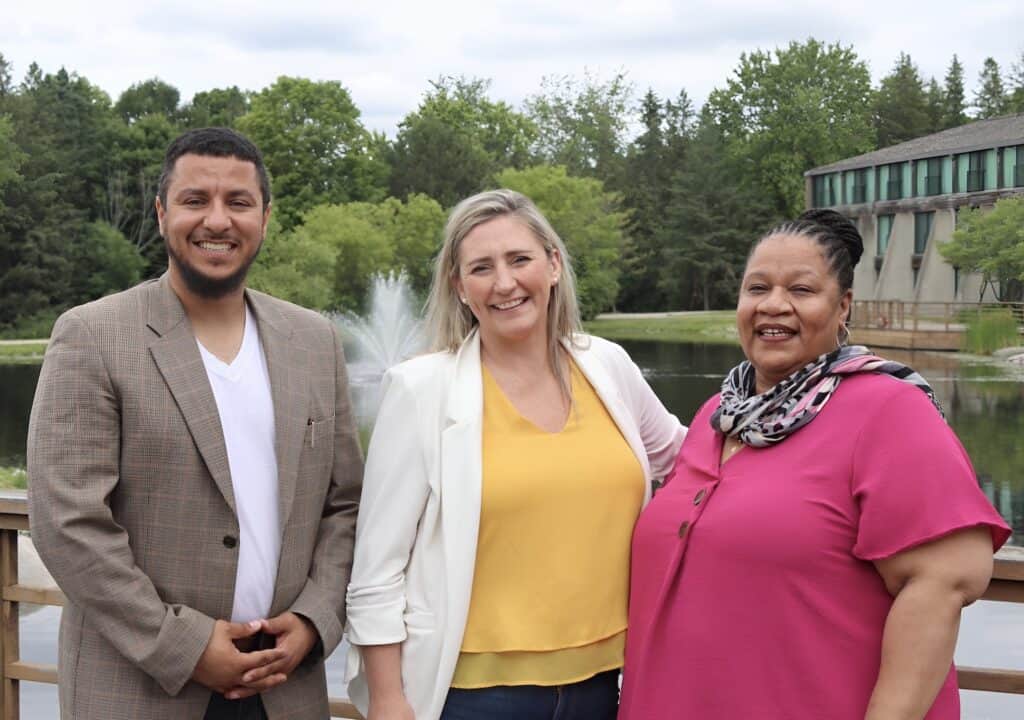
894, 187
933, 177
976, 172
884, 231
860, 186
819, 191
1018, 171
922, 229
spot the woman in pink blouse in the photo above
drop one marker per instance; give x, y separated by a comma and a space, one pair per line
809, 557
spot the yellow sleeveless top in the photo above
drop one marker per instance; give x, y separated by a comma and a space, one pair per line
551, 584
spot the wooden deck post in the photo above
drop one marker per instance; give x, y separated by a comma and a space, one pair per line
9, 652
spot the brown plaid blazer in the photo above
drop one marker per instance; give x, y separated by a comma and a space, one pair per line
132, 509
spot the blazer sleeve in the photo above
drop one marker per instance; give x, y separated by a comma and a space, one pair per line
322, 600
660, 430
395, 493
73, 467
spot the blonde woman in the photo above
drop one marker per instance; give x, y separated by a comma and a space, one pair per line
503, 480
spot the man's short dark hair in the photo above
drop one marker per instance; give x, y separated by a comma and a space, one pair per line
213, 142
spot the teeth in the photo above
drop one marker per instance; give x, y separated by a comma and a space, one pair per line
510, 304
220, 247
772, 332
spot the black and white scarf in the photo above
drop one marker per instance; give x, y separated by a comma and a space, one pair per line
763, 420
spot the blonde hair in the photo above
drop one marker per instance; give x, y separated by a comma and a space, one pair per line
449, 322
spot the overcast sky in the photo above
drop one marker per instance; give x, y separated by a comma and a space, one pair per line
385, 51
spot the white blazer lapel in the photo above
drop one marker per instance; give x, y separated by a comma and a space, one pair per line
461, 470
607, 390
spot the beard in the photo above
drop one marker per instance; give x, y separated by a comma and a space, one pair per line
205, 286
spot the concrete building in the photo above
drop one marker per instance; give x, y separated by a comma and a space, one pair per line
905, 200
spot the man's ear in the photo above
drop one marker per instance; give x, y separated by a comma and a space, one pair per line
266, 219
160, 212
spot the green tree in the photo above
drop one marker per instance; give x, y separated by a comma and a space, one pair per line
149, 97
131, 184
411, 229
6, 78
901, 105
314, 145
990, 99
456, 141
787, 111
583, 124
11, 156
584, 216
220, 107
711, 220
936, 105
954, 111
296, 266
991, 242
106, 261
1015, 100
651, 161
62, 129
415, 230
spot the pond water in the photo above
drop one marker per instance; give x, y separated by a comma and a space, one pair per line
984, 405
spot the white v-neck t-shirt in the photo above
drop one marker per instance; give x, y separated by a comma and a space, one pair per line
242, 391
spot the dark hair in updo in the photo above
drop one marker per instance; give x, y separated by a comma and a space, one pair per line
838, 237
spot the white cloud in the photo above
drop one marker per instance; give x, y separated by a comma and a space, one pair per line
385, 52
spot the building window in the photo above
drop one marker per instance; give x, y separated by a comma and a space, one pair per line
922, 229
976, 172
956, 281
933, 177
884, 230
860, 186
1018, 170
825, 190
894, 188
819, 191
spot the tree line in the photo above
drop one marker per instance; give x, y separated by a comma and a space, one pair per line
658, 202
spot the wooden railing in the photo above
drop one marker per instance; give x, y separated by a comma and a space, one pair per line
13, 521
923, 316
1007, 586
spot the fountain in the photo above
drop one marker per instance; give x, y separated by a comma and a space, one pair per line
389, 333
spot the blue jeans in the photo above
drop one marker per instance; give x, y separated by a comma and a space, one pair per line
596, 698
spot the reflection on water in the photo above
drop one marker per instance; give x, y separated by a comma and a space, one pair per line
984, 405
17, 386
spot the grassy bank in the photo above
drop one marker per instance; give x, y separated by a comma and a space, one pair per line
22, 352
12, 477
715, 326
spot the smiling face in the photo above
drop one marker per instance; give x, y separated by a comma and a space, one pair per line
213, 225
790, 307
506, 277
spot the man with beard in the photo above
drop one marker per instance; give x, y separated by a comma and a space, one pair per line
195, 472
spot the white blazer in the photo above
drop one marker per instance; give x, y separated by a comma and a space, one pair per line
420, 511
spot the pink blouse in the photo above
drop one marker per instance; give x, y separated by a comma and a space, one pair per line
753, 593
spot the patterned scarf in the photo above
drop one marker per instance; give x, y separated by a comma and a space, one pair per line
763, 420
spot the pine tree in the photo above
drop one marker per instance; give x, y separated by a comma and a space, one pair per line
990, 99
936, 101
901, 105
1016, 90
954, 112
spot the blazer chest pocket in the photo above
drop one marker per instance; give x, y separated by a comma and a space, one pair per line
319, 433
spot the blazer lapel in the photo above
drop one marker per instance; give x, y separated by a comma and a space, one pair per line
461, 470
289, 389
605, 387
176, 355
